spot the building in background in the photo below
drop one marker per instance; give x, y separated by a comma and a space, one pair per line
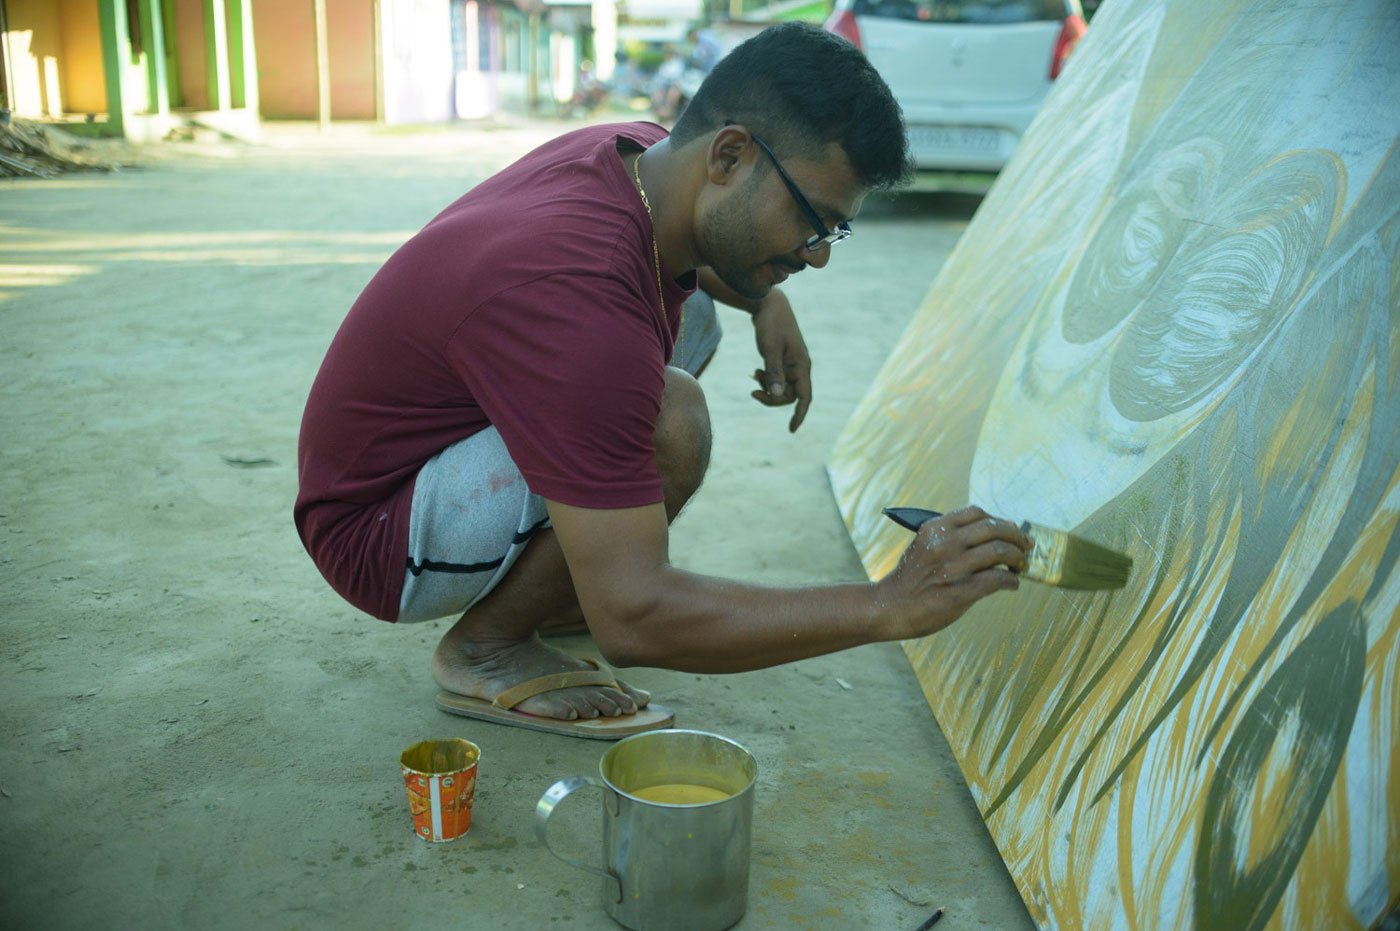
125, 66
658, 22
140, 68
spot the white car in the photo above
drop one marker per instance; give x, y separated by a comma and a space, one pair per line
969, 74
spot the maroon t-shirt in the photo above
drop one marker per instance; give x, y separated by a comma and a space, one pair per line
530, 305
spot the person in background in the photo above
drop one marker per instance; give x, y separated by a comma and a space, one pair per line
666, 87
705, 49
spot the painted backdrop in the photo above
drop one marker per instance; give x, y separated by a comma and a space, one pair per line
1174, 327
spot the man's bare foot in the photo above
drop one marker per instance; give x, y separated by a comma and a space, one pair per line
484, 672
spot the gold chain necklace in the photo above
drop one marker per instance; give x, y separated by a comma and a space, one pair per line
679, 353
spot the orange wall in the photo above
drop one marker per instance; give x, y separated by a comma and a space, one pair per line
85, 82
189, 41
286, 46
286, 49
85, 86
350, 35
65, 31
34, 35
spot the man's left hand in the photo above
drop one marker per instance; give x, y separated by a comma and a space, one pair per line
786, 376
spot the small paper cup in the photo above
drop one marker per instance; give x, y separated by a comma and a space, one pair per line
440, 776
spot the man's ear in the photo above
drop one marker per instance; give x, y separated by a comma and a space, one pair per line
730, 149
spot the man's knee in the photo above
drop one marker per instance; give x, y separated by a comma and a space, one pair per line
682, 438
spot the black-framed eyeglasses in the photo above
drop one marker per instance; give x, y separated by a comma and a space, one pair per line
825, 236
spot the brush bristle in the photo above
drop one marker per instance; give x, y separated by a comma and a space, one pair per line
1066, 561
1093, 567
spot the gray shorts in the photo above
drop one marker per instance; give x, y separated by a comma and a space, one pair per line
473, 515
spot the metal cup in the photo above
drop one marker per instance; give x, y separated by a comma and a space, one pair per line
669, 866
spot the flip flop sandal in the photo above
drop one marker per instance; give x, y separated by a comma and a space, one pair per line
652, 717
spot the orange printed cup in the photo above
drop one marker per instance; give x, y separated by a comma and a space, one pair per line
440, 776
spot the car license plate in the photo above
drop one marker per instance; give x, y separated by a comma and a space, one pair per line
954, 140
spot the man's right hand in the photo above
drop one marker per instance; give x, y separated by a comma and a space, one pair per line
954, 561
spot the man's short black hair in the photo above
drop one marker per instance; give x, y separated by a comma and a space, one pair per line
800, 88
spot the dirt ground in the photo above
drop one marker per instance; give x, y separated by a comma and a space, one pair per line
196, 732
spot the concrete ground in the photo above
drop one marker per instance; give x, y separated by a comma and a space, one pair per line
195, 732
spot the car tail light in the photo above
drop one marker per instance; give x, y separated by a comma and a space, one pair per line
843, 23
1070, 34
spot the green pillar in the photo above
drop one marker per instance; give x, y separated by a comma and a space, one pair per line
116, 51
153, 41
216, 53
242, 58
172, 60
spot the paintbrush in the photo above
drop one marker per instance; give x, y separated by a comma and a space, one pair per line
1058, 558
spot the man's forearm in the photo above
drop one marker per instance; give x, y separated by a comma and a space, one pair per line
644, 611
698, 623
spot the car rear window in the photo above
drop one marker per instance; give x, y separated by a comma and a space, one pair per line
962, 11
